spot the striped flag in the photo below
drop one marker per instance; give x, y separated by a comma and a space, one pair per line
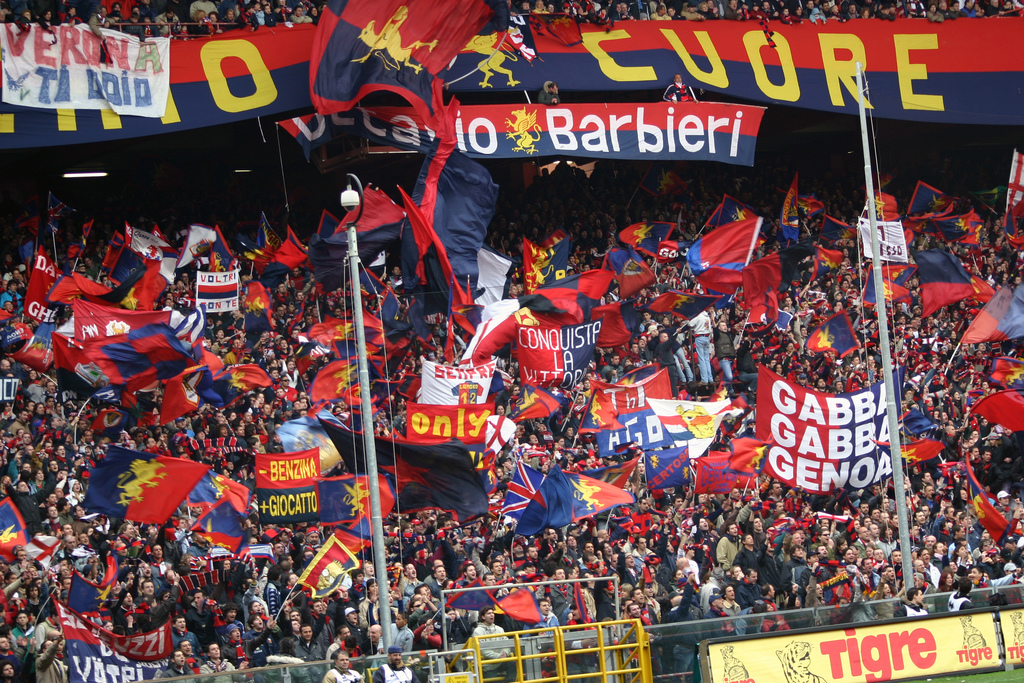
1015, 187
217, 292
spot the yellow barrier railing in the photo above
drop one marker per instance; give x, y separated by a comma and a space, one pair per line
609, 652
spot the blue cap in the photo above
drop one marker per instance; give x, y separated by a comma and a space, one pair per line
395, 650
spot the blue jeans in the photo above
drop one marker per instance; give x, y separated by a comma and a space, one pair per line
726, 365
704, 359
683, 366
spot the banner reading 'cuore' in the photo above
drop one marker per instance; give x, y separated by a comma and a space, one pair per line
908, 649
915, 68
822, 442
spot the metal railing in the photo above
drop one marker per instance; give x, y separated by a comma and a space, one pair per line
671, 649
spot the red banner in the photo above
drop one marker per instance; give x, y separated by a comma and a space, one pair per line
153, 646
427, 423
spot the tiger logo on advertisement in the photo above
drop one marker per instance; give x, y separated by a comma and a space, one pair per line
796, 663
735, 671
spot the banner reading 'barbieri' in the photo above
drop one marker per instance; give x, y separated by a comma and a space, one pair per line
61, 68
822, 442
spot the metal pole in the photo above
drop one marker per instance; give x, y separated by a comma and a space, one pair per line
380, 568
883, 342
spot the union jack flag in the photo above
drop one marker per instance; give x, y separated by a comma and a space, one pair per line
55, 208
522, 490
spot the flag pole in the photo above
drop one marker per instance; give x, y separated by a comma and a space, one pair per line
892, 415
352, 199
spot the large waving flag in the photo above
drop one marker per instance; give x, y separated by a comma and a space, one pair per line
943, 279
1008, 371
921, 451
893, 292
363, 46
346, 499
142, 487
379, 226
747, 455
965, 228
835, 334
221, 525
620, 322
55, 210
12, 530
825, 261
257, 307
551, 507
1001, 319
440, 475
542, 265
719, 256
521, 605
206, 244
646, 236
592, 496
142, 356
1003, 407
988, 516
927, 201
37, 352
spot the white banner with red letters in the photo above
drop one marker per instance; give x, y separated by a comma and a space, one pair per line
443, 385
63, 67
822, 442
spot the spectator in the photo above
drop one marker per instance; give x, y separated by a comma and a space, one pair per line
549, 94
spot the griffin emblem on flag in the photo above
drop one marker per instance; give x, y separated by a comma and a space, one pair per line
141, 475
355, 494
386, 44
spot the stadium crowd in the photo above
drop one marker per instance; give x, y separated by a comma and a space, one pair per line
679, 556
184, 19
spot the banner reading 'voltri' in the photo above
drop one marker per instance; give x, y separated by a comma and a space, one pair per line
822, 442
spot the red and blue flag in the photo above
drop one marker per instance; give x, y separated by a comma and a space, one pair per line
686, 305
646, 236
552, 507
719, 256
27, 222
620, 322
834, 230
730, 210
111, 422
142, 487
630, 270
521, 605
379, 226
1003, 407
13, 532
1008, 372
213, 488
235, 380
927, 202
943, 278
591, 496
661, 181
544, 264
86, 597
1001, 319
536, 402
789, 217
346, 499
835, 334
991, 519
221, 525
364, 46
825, 261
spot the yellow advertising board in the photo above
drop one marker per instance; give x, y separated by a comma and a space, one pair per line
1011, 621
906, 649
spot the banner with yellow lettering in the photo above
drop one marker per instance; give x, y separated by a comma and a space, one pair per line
427, 423
286, 486
915, 69
915, 649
